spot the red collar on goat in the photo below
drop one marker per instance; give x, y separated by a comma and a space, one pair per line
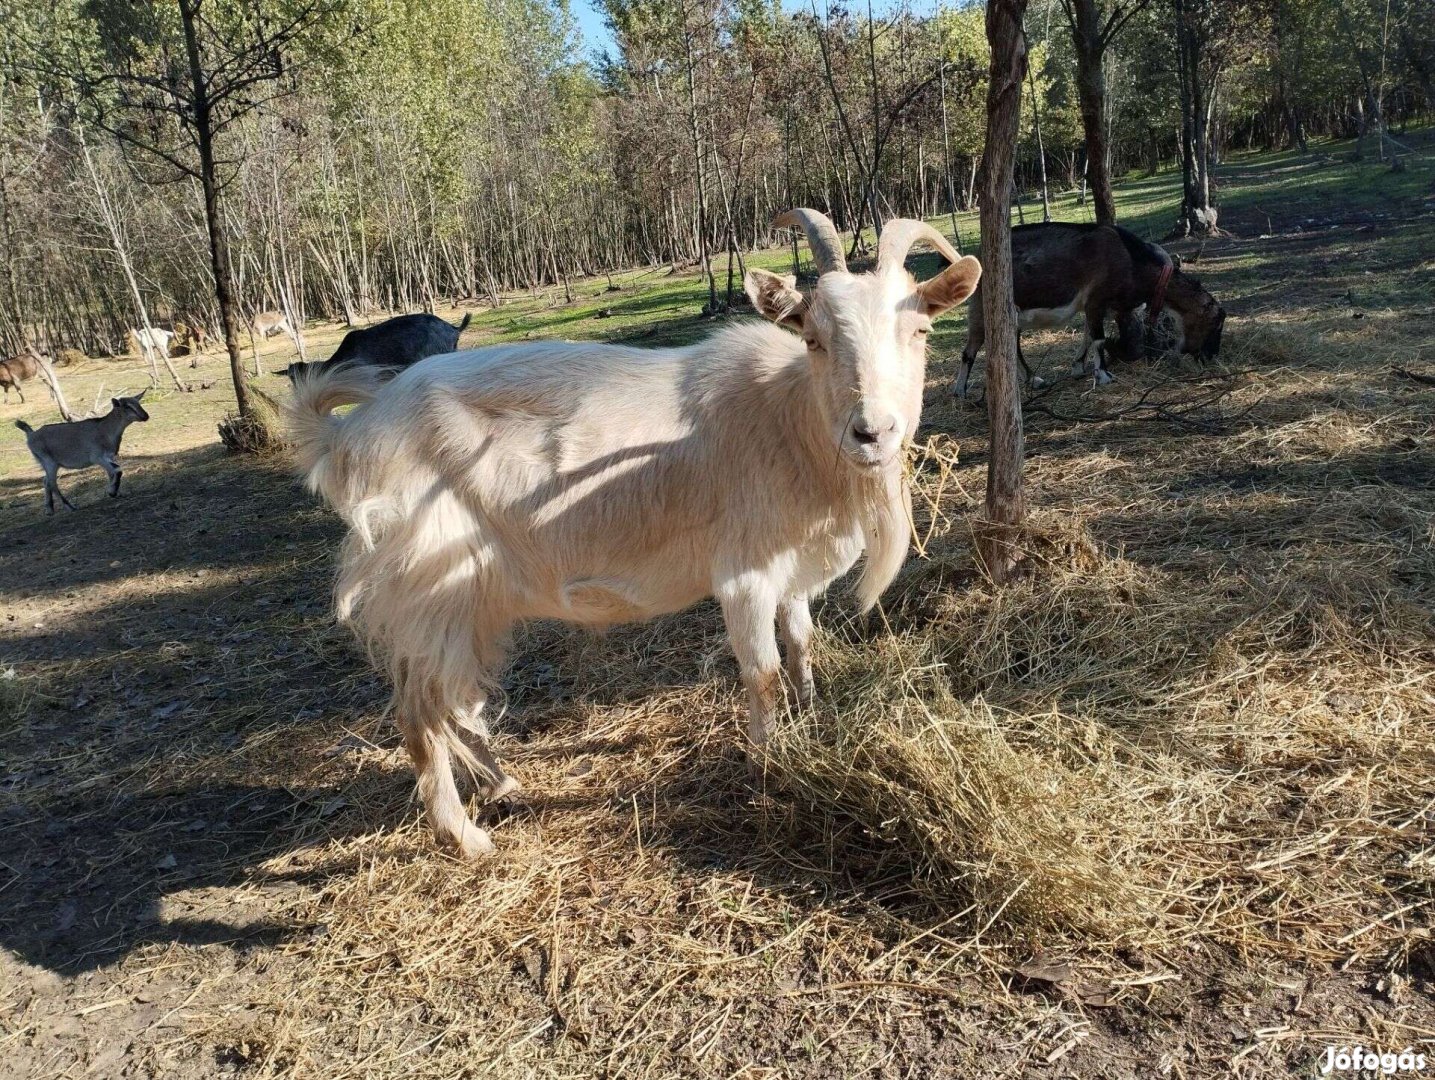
1158, 299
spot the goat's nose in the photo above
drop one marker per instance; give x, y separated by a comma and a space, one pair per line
868, 430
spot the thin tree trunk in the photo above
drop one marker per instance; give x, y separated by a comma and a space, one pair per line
107, 214
52, 380
218, 242
699, 166
1006, 497
1040, 147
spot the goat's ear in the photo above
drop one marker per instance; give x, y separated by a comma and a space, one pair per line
117, 403
775, 297
951, 286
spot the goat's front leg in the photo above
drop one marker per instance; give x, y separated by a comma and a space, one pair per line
112, 467
1094, 344
749, 608
794, 623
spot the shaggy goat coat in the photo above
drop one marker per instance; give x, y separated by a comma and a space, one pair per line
598, 484
592, 484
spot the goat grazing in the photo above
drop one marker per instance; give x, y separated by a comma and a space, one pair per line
395, 343
600, 484
16, 370
268, 323
152, 338
1061, 270
83, 443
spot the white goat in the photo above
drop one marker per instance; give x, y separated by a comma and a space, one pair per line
599, 484
152, 338
83, 443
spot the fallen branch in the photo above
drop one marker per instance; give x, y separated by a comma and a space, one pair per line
1190, 413
1414, 376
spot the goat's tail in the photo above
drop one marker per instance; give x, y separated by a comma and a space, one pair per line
314, 430
467, 318
26, 428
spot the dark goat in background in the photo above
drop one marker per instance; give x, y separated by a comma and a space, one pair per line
1063, 269
394, 343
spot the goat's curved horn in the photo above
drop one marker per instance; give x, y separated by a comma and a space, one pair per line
898, 236
142, 393
821, 235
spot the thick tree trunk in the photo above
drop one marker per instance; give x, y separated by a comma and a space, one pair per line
1091, 91
209, 181
1006, 498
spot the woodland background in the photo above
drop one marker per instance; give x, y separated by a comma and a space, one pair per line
367, 156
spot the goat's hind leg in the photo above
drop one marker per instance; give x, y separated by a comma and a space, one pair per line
432, 739
494, 784
52, 488
430, 746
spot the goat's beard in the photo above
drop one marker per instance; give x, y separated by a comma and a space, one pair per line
884, 509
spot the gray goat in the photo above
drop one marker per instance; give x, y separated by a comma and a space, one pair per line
82, 443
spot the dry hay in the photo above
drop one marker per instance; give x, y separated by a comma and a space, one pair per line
1099, 751
1194, 744
260, 432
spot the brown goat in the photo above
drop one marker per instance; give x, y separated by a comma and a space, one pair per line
1062, 269
16, 370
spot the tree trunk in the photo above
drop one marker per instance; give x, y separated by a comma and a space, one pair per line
107, 213
1091, 91
16, 330
699, 167
947, 154
1198, 215
52, 380
1041, 148
209, 181
1006, 498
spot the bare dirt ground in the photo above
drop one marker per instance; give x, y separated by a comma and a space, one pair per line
212, 862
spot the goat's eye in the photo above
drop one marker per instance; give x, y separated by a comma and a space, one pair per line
922, 331
811, 342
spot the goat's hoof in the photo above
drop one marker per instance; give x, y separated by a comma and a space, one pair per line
474, 843
1103, 378
505, 789
1037, 382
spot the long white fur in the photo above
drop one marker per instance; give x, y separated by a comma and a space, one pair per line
599, 484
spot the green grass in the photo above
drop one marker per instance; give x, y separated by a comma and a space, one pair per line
1258, 193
